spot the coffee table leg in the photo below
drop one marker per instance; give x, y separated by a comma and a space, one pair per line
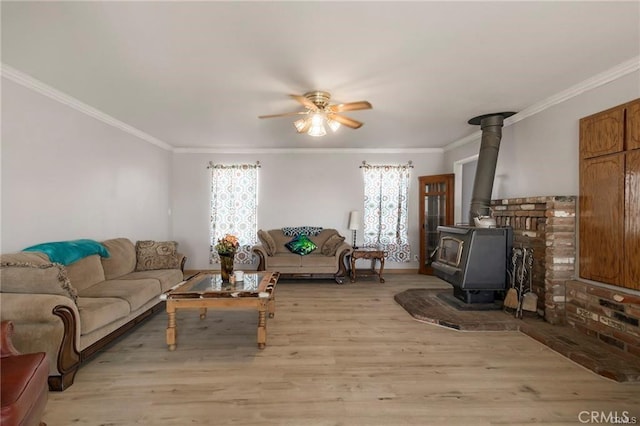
271, 307
171, 328
381, 269
262, 324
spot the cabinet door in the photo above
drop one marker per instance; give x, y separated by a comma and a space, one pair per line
436, 208
632, 220
602, 133
633, 125
602, 219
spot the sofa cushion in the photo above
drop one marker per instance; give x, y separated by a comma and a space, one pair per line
152, 255
331, 245
122, 259
85, 272
50, 278
318, 260
280, 239
323, 236
167, 277
98, 312
301, 245
136, 292
285, 260
267, 242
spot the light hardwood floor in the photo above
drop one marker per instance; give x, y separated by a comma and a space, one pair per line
335, 355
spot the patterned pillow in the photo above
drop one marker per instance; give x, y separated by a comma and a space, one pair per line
292, 231
301, 245
331, 245
152, 255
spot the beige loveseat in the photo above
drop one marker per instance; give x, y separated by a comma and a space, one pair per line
326, 261
71, 312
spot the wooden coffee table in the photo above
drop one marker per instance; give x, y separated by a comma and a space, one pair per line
206, 290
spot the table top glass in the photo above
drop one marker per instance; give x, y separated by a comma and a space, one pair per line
205, 284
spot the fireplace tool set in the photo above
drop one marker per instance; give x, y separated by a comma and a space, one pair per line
520, 295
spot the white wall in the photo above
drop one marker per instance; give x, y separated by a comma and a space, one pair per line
539, 155
294, 189
66, 175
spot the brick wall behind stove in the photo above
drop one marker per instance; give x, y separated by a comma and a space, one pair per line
547, 225
611, 315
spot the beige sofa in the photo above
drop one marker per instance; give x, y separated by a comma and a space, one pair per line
71, 312
326, 261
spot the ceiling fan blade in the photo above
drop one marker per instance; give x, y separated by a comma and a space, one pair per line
349, 122
306, 102
283, 114
350, 106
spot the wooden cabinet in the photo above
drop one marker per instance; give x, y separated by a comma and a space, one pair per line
602, 133
436, 208
610, 196
633, 125
602, 218
632, 223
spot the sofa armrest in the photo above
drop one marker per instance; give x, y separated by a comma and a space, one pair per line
45, 323
342, 252
182, 260
260, 251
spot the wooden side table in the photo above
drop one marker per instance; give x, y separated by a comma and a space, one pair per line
368, 253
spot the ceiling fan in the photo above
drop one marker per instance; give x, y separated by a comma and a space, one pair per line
318, 112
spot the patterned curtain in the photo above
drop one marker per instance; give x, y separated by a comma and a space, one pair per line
386, 189
234, 207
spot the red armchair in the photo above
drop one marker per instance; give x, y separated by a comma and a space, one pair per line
23, 389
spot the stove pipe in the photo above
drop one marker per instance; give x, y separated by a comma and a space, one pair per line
491, 126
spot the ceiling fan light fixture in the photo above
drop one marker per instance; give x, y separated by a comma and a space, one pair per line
317, 131
333, 125
317, 125
300, 124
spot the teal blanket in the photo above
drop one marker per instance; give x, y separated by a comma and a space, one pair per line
67, 252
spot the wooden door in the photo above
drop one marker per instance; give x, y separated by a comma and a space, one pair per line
602, 212
602, 133
436, 208
632, 220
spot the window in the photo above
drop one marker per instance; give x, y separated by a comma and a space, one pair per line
386, 189
234, 207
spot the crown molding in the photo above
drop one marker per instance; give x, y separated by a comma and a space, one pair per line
308, 150
594, 82
46, 90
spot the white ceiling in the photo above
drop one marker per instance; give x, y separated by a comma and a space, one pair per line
197, 74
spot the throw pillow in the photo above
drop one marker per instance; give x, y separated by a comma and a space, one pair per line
267, 241
152, 255
50, 278
301, 245
331, 245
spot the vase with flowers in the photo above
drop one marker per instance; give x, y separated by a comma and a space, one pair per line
226, 248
